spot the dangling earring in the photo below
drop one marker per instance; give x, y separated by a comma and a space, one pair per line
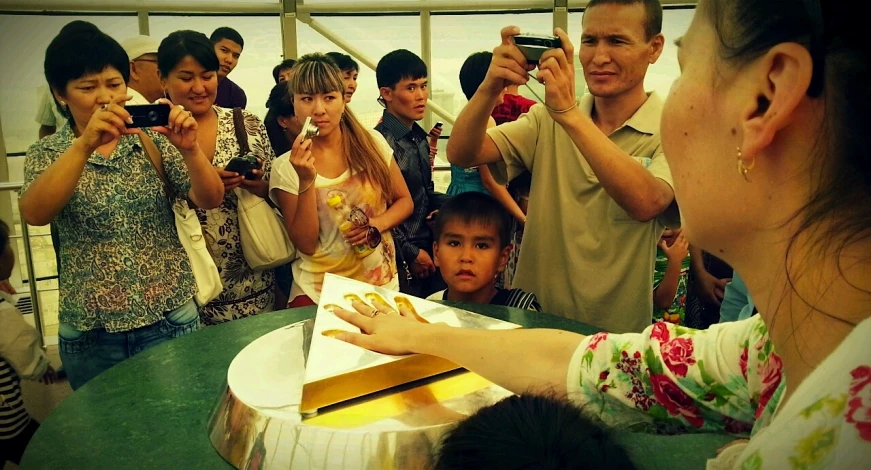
166, 95
742, 168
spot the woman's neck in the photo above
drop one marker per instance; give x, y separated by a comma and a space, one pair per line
810, 296
328, 144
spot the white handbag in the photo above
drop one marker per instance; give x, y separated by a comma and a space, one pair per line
190, 233
264, 239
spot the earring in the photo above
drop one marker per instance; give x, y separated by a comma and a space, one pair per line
166, 95
742, 168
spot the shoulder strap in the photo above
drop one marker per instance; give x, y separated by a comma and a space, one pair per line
156, 161
241, 133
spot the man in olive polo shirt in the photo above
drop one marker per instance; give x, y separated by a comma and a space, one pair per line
601, 189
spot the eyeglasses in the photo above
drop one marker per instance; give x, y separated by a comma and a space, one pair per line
817, 46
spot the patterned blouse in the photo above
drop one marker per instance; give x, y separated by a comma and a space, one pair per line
123, 265
246, 292
728, 379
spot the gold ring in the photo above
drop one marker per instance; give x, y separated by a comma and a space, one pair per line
104, 107
374, 312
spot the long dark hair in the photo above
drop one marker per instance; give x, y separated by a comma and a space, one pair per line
838, 211
180, 44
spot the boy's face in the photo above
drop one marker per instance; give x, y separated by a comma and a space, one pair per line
469, 256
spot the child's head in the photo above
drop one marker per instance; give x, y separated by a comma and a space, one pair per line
473, 232
529, 431
7, 256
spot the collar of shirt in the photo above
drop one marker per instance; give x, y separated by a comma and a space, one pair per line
646, 118
398, 130
61, 140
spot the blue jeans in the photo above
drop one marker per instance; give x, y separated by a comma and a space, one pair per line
87, 354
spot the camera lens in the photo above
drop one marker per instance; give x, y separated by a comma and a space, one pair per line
152, 116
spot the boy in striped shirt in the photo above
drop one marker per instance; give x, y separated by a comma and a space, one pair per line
20, 356
471, 248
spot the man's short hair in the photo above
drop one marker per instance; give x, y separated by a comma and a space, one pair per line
225, 32
653, 26
476, 208
530, 431
284, 65
473, 71
399, 65
344, 61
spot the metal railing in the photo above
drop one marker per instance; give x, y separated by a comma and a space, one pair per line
31, 273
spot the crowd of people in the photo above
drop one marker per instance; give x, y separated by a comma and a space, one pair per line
608, 209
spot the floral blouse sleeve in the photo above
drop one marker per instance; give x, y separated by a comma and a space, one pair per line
258, 141
173, 164
721, 379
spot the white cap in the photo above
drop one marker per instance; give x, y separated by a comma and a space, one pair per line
138, 46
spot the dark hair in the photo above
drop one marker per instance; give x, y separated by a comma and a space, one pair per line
835, 36
344, 61
225, 32
279, 104
398, 65
4, 236
473, 71
529, 431
653, 26
476, 208
81, 49
180, 44
284, 65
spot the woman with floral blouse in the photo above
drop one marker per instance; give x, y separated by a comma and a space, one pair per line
188, 67
779, 92
127, 283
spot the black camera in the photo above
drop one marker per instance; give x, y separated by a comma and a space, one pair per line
148, 115
534, 45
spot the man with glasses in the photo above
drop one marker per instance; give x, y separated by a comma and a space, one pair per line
144, 85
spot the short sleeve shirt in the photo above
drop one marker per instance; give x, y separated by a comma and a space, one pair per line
583, 255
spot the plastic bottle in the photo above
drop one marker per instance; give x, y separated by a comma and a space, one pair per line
347, 214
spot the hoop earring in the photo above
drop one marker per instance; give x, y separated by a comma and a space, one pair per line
742, 168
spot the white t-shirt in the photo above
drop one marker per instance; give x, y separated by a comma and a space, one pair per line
333, 254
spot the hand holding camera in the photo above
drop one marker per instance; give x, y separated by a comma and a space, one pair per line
108, 123
301, 155
180, 128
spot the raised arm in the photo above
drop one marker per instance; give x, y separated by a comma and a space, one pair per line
469, 144
642, 195
293, 188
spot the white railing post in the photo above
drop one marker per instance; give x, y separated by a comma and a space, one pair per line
426, 55
288, 29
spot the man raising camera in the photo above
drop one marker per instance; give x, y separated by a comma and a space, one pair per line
601, 188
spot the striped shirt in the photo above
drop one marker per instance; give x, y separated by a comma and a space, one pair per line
515, 298
13, 416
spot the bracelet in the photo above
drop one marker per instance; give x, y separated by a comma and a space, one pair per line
563, 111
308, 187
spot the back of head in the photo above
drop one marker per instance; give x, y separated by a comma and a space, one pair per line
476, 208
652, 7
527, 432
473, 71
316, 74
279, 104
225, 32
284, 65
398, 65
180, 44
81, 49
7, 256
344, 61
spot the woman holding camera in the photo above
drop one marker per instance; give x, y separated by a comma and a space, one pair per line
340, 190
127, 283
188, 67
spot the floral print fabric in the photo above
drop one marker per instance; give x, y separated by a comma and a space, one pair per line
729, 379
123, 265
246, 292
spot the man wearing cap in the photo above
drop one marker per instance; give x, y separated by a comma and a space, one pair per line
144, 85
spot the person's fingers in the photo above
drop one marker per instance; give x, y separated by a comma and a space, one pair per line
508, 34
364, 341
355, 318
567, 47
662, 245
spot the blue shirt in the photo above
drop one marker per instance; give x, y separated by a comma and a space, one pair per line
737, 304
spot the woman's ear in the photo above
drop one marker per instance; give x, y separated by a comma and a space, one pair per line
777, 85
